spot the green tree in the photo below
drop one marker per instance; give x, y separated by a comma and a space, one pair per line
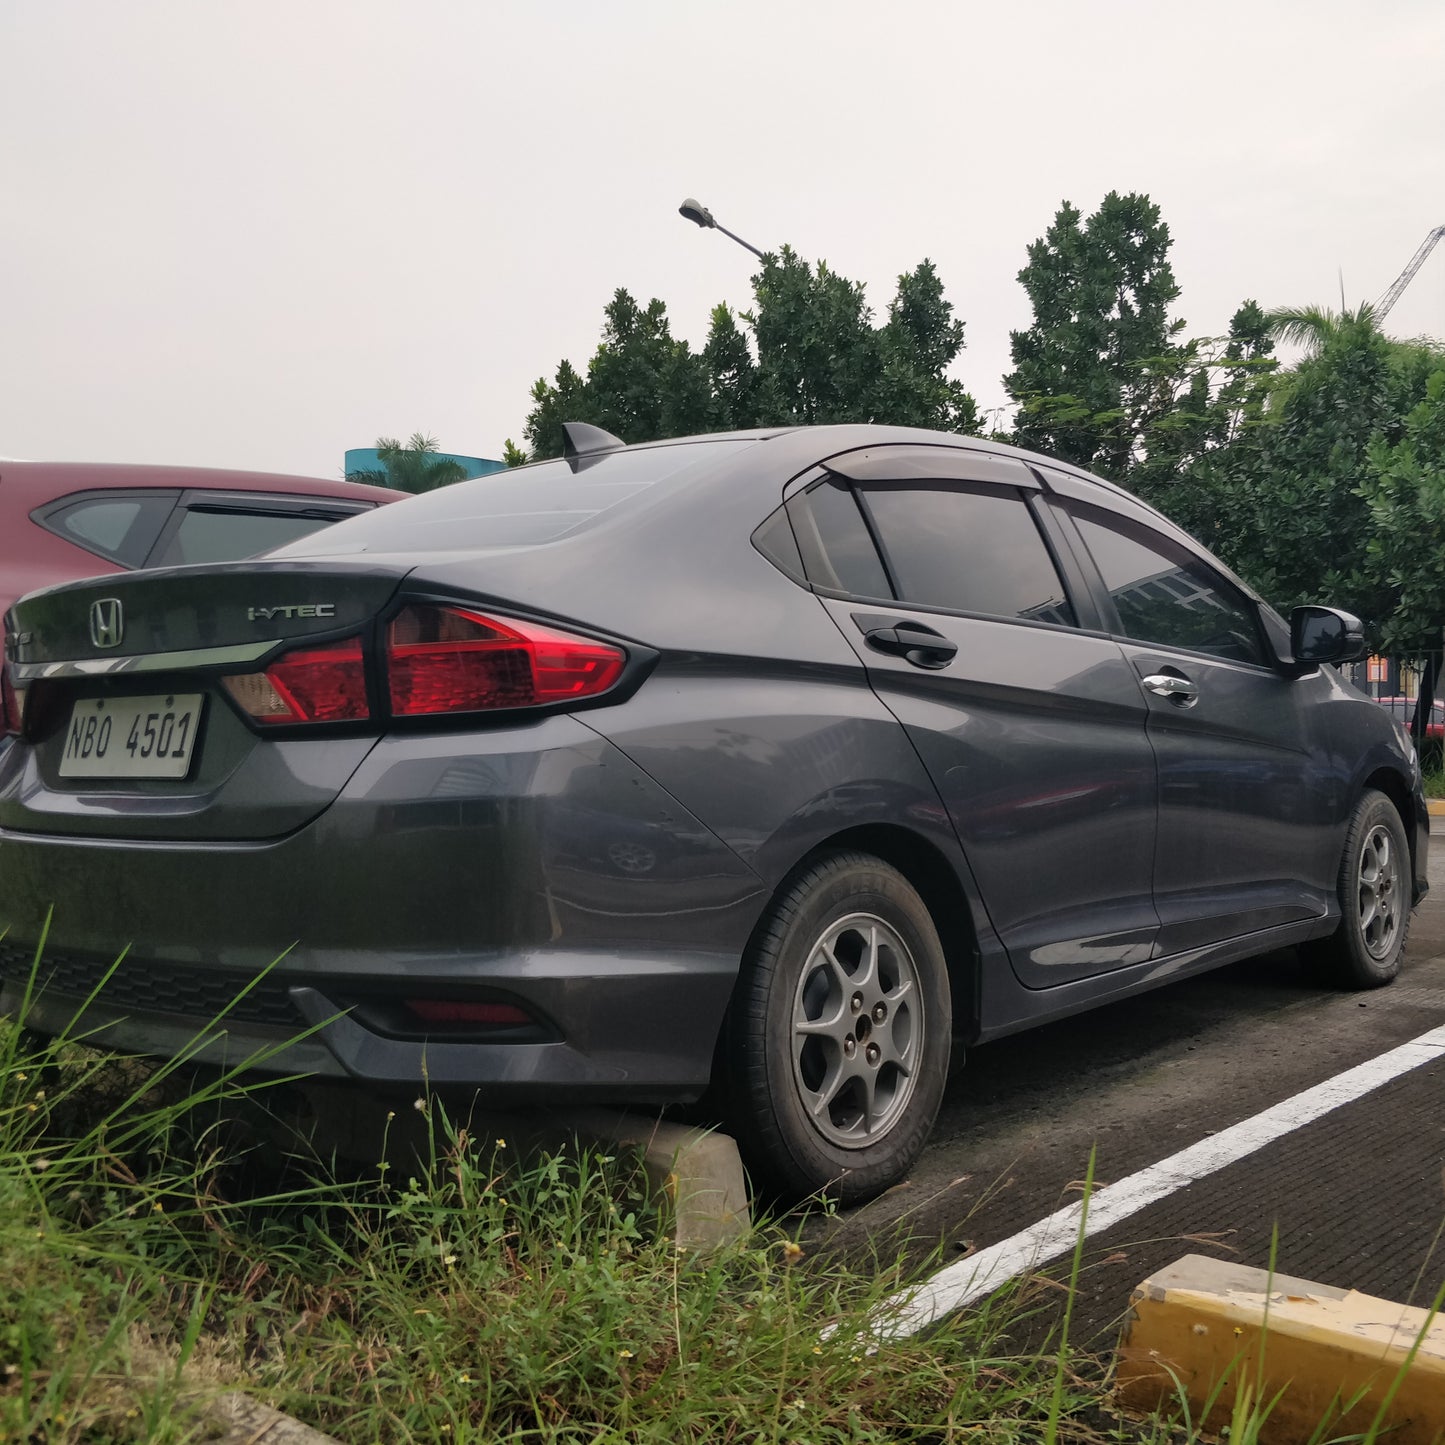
806, 353
1404, 489
1294, 517
1200, 450
1299, 525
921, 341
411, 467
1099, 366
564, 399
817, 349
641, 383
732, 375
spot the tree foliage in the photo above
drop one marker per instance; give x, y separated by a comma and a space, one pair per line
1100, 366
413, 466
1300, 526
1404, 489
806, 352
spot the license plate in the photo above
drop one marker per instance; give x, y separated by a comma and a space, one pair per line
131, 737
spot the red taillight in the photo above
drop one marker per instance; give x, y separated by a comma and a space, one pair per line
450, 659
12, 705
308, 685
457, 1014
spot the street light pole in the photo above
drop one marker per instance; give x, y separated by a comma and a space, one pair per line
699, 215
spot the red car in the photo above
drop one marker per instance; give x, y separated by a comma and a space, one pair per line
60, 520
1403, 708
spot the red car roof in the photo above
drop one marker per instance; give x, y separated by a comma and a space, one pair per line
40, 482
33, 556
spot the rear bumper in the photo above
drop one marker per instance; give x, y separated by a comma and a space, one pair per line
536, 865
631, 1032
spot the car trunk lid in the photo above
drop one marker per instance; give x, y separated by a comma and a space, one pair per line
139, 660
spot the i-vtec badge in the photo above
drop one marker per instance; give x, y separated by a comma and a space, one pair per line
309, 609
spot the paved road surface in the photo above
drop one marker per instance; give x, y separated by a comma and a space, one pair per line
1358, 1196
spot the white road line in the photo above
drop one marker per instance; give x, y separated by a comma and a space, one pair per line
970, 1279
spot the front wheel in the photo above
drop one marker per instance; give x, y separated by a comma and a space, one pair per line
838, 1039
1374, 893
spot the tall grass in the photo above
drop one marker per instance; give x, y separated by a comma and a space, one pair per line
151, 1258
148, 1262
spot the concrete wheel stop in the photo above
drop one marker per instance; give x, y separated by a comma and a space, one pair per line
1207, 1329
698, 1172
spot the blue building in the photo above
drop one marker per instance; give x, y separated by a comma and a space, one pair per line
365, 459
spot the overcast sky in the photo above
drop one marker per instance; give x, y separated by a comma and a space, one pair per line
255, 234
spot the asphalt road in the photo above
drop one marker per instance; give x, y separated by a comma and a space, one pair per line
1357, 1196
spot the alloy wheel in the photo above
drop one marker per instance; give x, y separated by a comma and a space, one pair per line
1379, 883
857, 1030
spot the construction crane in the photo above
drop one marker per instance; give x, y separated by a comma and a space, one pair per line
1382, 307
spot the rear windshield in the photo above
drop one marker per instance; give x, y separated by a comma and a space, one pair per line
518, 508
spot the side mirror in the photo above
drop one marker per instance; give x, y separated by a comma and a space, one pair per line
1324, 634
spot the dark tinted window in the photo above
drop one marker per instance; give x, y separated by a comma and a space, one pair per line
775, 540
211, 535
969, 549
120, 526
521, 507
837, 550
1163, 594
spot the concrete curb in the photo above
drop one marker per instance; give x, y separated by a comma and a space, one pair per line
1201, 1325
245, 1421
699, 1172
1435, 807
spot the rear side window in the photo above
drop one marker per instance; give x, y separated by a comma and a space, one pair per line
833, 536
221, 535
120, 526
1164, 594
967, 549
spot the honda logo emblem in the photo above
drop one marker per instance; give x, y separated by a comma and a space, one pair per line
107, 624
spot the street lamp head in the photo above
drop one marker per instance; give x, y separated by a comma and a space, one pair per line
696, 212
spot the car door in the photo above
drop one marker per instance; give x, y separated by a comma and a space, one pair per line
1244, 801
938, 568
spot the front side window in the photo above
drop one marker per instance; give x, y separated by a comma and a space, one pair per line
1165, 595
967, 549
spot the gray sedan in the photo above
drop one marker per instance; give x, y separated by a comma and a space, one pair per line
764, 768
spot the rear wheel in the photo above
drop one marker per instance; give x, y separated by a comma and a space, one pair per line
838, 1038
1374, 893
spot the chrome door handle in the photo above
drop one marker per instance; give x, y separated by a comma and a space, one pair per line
1167, 685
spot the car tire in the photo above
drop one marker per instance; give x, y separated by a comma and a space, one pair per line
837, 1043
1374, 892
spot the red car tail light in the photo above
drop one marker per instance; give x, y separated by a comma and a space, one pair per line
308, 685
451, 659
12, 705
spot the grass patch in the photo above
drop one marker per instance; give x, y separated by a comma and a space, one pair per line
1434, 781
150, 1260
147, 1262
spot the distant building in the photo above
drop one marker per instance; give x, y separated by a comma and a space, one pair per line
365, 459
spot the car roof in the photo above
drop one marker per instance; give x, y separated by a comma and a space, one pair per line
30, 484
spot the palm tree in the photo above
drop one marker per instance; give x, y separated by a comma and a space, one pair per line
415, 467
1316, 327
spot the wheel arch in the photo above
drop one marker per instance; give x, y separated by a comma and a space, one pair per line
1397, 789
937, 884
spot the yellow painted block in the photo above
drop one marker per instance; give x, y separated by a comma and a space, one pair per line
1200, 1321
